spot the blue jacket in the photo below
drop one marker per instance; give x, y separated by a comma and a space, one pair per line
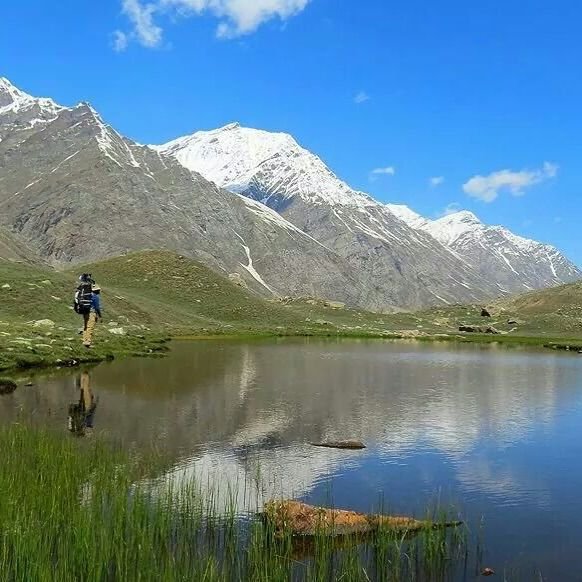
96, 304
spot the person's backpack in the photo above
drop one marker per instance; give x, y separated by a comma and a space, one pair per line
83, 295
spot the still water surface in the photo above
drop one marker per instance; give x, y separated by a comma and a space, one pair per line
497, 432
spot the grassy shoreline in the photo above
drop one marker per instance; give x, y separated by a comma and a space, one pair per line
156, 345
153, 296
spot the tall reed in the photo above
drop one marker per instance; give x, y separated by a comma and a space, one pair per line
84, 510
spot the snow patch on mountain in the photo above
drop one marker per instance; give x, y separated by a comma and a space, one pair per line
239, 158
407, 215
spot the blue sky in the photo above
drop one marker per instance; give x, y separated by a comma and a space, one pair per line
484, 95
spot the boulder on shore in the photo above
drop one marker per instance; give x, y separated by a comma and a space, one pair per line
493, 331
470, 329
485, 313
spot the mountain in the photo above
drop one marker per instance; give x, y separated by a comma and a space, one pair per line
74, 190
518, 264
412, 260
398, 265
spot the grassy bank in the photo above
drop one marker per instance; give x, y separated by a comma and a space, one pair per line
73, 509
153, 295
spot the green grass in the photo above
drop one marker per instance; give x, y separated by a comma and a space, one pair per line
153, 295
77, 509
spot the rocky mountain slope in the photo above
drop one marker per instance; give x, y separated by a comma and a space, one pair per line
75, 190
517, 263
413, 260
399, 264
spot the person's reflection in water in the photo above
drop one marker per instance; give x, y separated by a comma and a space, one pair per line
82, 413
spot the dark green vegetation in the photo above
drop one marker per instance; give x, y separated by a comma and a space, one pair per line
152, 295
73, 509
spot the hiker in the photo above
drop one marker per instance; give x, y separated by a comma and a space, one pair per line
88, 304
82, 413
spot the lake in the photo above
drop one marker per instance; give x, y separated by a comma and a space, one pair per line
494, 432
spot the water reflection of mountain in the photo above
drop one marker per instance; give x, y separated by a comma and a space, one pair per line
224, 403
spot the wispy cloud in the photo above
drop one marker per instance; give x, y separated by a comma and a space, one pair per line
361, 97
141, 16
377, 172
488, 188
436, 181
120, 41
236, 17
389, 171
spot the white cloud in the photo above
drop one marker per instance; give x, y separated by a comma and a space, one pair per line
120, 41
141, 16
361, 97
236, 17
389, 171
436, 181
487, 188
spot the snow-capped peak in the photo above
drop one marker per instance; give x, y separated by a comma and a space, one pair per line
451, 227
264, 164
14, 101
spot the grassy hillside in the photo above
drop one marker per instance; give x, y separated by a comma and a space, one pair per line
148, 295
554, 313
155, 294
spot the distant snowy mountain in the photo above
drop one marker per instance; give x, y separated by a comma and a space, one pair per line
396, 263
517, 263
411, 259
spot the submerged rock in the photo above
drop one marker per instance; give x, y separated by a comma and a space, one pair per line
350, 445
7, 386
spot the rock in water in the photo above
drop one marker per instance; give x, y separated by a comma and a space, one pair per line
485, 313
7, 386
306, 520
349, 445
